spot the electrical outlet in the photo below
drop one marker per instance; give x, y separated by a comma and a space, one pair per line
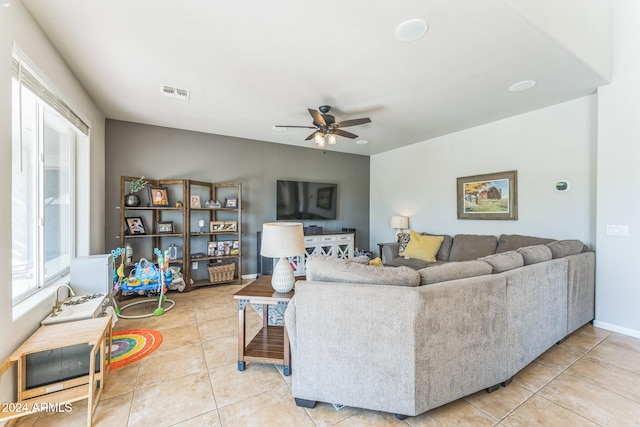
194, 265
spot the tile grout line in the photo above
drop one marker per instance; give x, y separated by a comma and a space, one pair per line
536, 393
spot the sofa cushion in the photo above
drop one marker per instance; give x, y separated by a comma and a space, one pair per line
535, 254
511, 242
443, 252
322, 268
563, 248
505, 261
363, 259
467, 247
416, 264
422, 246
403, 241
453, 271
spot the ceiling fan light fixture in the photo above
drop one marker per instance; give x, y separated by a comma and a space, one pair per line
411, 30
319, 140
332, 139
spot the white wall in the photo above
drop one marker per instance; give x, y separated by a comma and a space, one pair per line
544, 146
617, 288
16, 24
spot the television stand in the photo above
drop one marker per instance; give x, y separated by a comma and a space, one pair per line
331, 243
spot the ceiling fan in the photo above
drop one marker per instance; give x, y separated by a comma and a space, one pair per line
326, 127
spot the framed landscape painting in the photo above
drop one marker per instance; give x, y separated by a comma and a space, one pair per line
489, 196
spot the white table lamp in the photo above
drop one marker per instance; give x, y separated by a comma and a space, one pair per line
399, 223
282, 240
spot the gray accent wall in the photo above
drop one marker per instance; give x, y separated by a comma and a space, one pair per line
164, 153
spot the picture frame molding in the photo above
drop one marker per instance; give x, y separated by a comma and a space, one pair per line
511, 214
231, 202
223, 226
129, 222
151, 189
159, 227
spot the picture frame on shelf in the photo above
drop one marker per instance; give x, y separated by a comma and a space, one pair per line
158, 196
223, 226
211, 248
215, 226
164, 227
135, 226
488, 196
231, 202
194, 201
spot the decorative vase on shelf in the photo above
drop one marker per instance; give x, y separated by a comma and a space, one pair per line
131, 200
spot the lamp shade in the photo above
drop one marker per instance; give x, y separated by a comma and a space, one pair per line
282, 239
399, 221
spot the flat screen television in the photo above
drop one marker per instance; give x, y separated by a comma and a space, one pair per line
306, 200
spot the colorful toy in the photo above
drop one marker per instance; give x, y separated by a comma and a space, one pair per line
146, 277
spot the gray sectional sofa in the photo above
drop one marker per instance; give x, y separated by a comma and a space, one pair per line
405, 340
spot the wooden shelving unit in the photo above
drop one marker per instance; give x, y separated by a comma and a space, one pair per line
200, 241
186, 235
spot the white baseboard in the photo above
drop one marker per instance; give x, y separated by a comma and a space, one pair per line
616, 328
250, 276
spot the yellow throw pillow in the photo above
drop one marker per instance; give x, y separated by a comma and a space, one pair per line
422, 247
376, 261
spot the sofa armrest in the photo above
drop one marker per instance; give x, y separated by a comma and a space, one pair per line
389, 252
581, 290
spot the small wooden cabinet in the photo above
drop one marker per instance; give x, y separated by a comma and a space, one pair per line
180, 226
95, 333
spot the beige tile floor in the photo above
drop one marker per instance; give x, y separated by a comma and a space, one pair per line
591, 379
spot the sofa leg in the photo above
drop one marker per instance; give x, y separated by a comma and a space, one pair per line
492, 388
400, 417
507, 382
562, 340
305, 403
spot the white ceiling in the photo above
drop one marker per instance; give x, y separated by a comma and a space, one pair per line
253, 64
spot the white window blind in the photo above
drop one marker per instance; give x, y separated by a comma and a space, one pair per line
22, 73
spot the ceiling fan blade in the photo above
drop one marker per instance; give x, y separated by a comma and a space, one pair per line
310, 136
344, 133
303, 127
352, 122
317, 117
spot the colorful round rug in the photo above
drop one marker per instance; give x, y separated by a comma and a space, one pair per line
132, 345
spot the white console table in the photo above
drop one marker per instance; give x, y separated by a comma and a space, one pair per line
340, 245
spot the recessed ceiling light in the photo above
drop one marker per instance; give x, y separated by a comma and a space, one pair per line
411, 30
279, 128
523, 85
362, 142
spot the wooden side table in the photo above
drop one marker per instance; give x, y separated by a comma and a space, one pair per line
94, 332
271, 344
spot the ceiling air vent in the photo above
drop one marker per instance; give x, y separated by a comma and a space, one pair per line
175, 92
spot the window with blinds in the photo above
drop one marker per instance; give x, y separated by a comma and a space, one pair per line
44, 134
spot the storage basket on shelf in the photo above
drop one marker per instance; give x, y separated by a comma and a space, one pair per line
219, 273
